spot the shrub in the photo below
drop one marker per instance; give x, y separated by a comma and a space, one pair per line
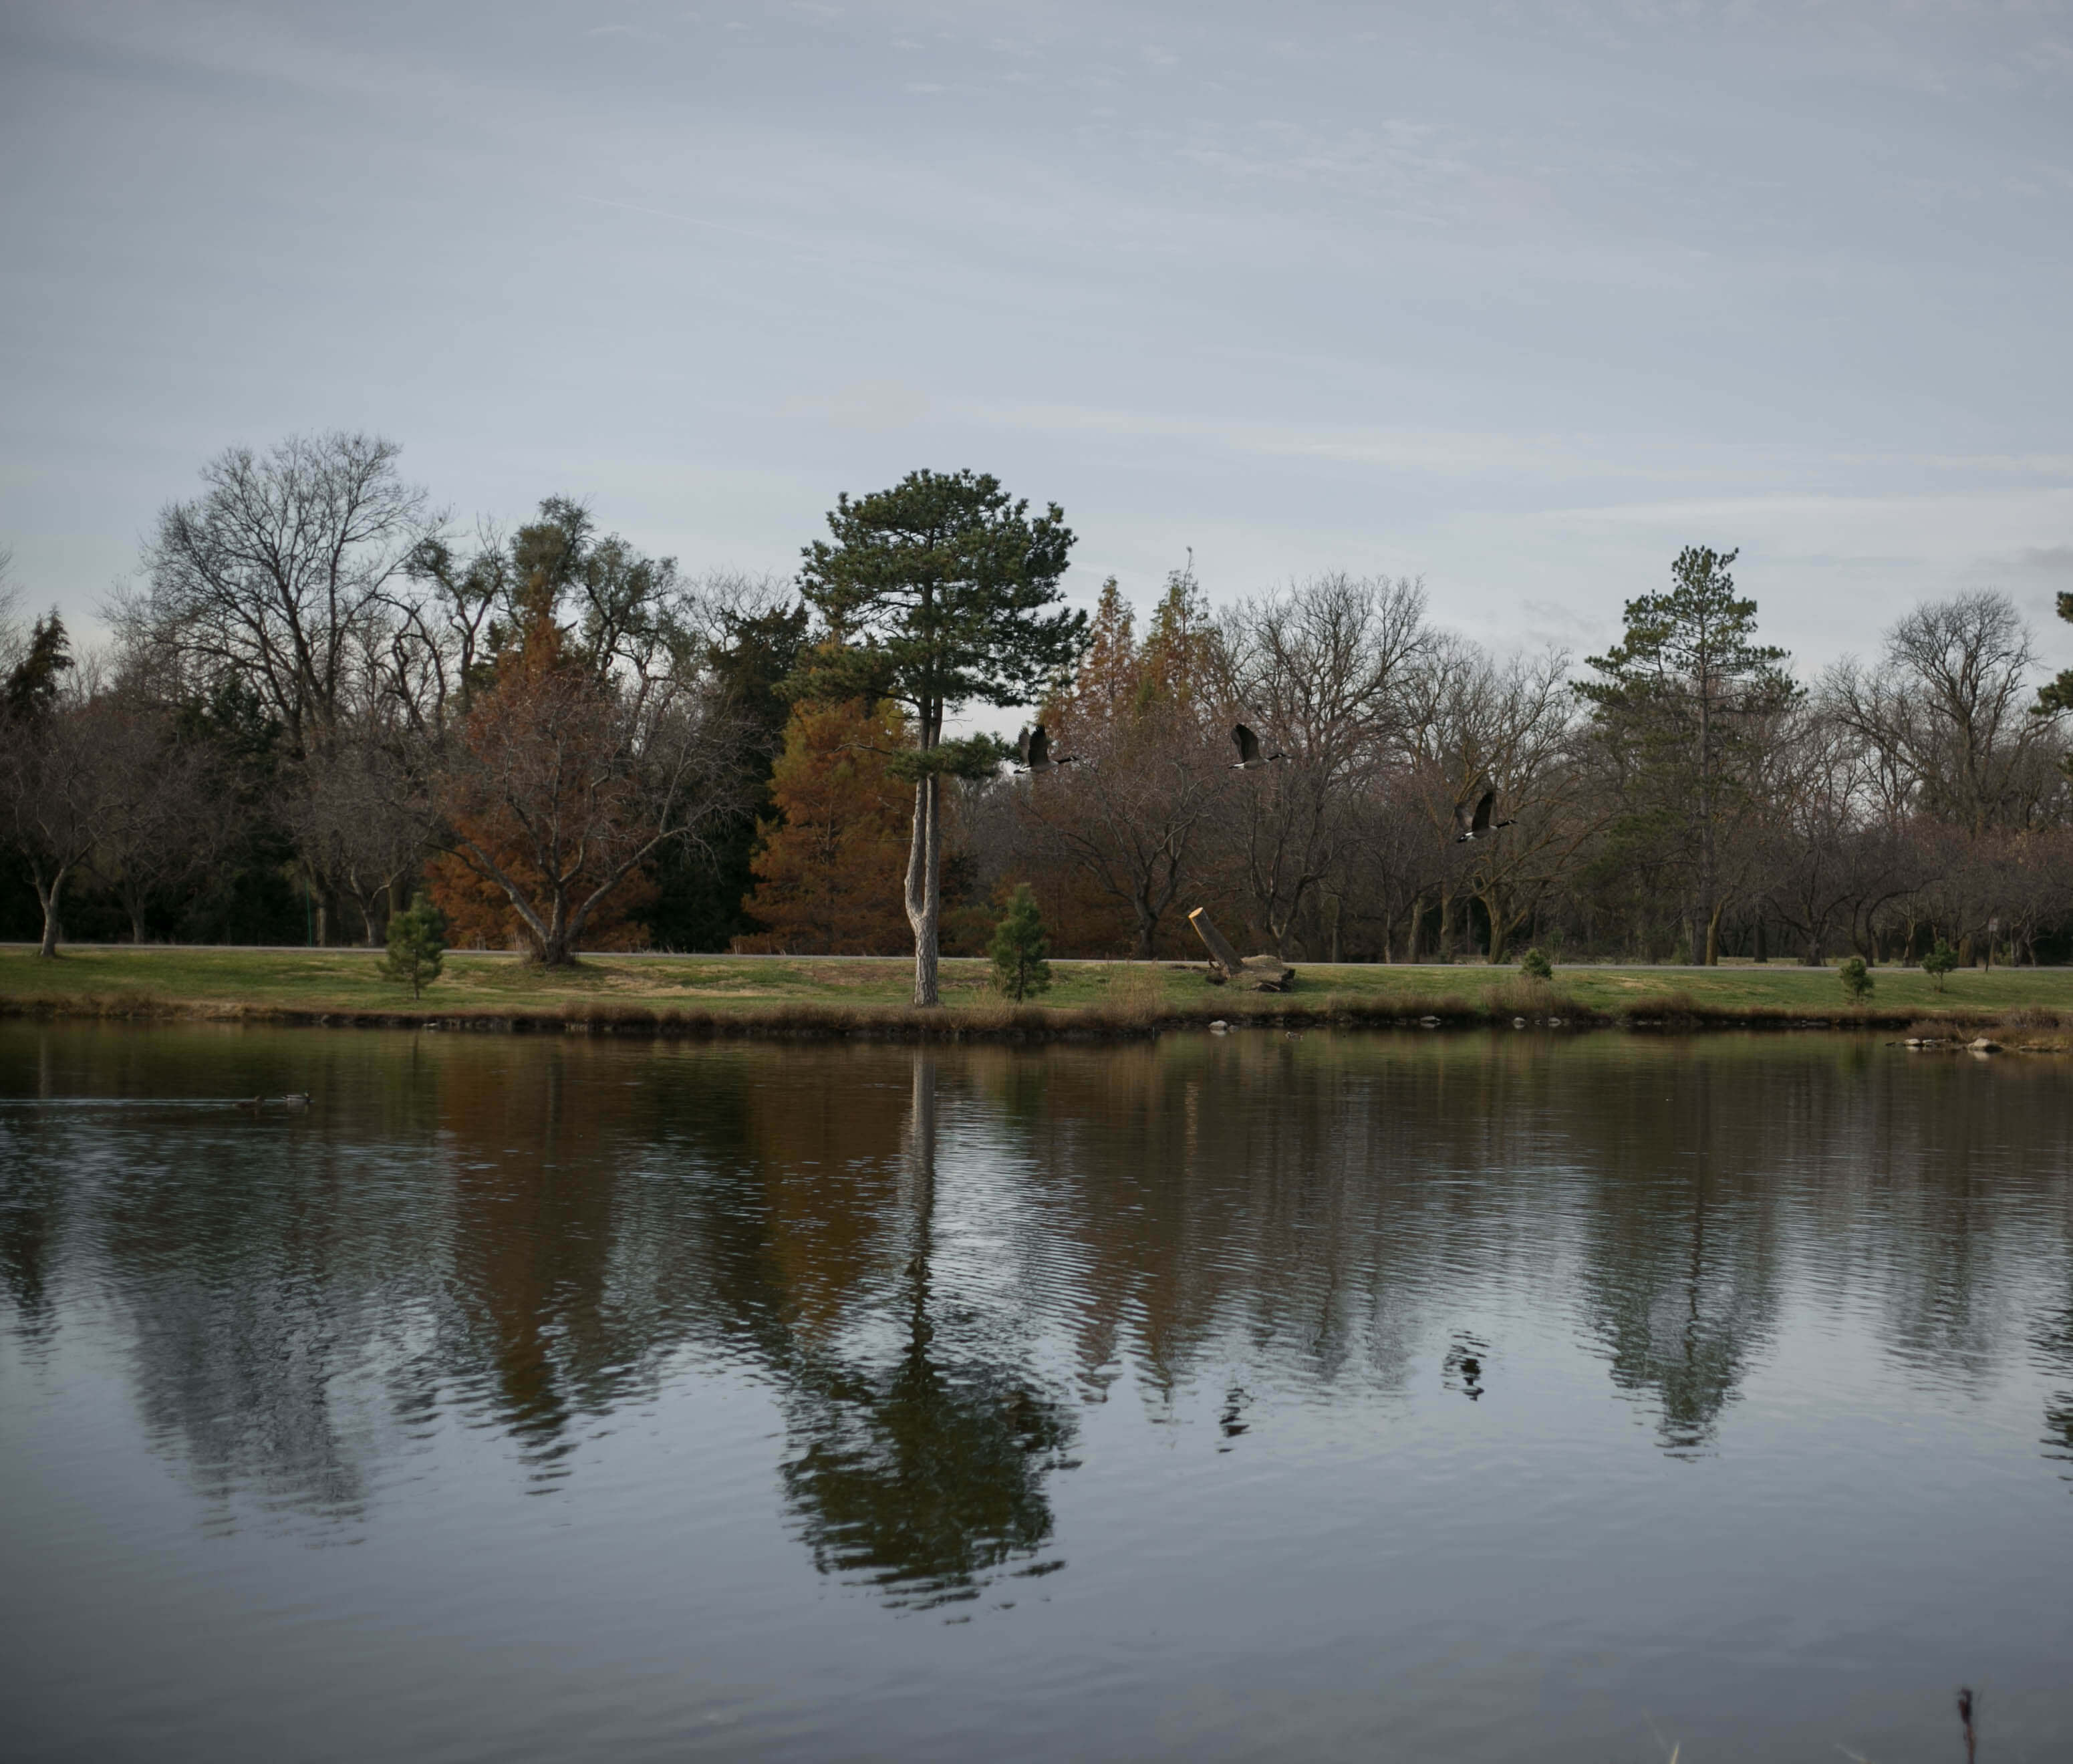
1939, 962
1535, 965
1019, 947
2033, 1016
1856, 979
417, 943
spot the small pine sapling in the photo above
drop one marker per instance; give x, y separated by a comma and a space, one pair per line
1856, 979
1939, 962
1019, 947
417, 943
1535, 966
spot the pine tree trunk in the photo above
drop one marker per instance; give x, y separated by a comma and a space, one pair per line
924, 894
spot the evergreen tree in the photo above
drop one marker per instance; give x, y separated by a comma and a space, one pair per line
1019, 947
938, 592
417, 945
2058, 696
1856, 979
1682, 700
702, 889
250, 892
30, 693
1939, 962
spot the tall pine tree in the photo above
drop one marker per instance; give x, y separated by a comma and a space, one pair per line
1683, 700
939, 592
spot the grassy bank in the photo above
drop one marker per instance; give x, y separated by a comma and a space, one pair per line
725, 994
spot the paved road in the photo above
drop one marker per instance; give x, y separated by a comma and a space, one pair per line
723, 955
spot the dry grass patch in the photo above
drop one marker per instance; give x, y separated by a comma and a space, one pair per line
1524, 995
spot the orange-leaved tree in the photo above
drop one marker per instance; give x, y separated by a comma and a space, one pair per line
596, 738
828, 869
1124, 835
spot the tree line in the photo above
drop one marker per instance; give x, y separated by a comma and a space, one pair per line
320, 696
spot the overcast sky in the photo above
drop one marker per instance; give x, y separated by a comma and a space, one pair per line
1516, 298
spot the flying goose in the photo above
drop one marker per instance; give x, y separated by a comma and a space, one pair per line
1250, 758
1033, 747
1480, 826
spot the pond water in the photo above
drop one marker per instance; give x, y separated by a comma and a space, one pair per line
1259, 1396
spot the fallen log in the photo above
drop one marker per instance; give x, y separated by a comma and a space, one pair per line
1254, 973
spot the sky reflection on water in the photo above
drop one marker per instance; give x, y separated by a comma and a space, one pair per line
1267, 1396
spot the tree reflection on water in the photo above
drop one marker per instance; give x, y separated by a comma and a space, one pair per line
1681, 1272
530, 1236
2054, 1342
923, 1476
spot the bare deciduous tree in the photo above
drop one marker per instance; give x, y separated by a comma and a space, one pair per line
54, 800
1950, 714
1484, 725
1321, 671
162, 817
278, 575
360, 816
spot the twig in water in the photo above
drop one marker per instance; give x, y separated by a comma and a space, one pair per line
1965, 1714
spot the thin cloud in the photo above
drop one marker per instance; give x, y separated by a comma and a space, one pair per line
2046, 560
875, 407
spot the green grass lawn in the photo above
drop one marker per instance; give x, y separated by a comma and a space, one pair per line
121, 980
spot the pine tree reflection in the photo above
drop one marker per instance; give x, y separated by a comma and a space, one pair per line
1681, 1269
539, 1233
926, 1477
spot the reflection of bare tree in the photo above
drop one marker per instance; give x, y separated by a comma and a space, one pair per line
1244, 1204
2054, 1342
32, 1204
927, 1475
258, 1289
2059, 1429
1944, 1216
535, 1234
